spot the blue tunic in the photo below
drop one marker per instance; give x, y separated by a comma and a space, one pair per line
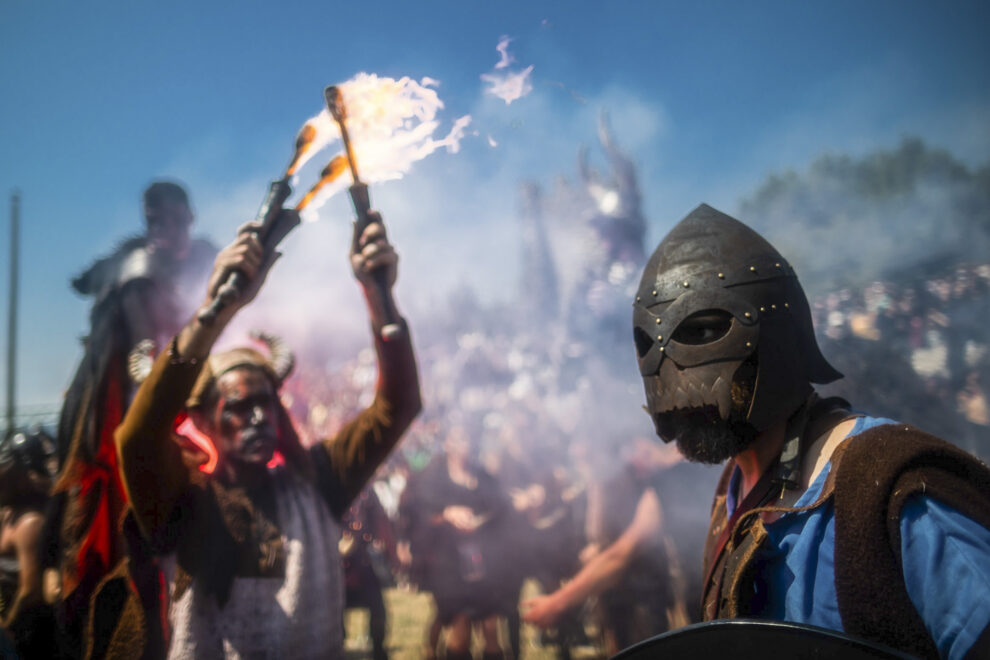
945, 559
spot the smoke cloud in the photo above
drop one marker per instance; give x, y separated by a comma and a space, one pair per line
505, 59
507, 85
846, 220
454, 220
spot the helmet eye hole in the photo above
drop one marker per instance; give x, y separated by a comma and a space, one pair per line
703, 327
643, 341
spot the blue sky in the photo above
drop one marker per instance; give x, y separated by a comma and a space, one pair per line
100, 98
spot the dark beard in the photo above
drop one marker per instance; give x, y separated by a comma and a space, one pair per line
702, 436
257, 445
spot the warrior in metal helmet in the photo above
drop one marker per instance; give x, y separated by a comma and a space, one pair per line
822, 516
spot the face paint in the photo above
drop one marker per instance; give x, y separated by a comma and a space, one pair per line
246, 416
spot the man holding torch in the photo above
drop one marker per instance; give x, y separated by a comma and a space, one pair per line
251, 549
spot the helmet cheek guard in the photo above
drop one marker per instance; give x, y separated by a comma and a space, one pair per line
711, 262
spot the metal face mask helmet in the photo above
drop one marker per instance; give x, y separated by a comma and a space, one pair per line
719, 309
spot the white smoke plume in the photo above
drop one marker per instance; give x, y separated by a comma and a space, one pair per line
507, 85
505, 59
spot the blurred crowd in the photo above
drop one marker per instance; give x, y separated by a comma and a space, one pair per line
918, 347
481, 497
520, 467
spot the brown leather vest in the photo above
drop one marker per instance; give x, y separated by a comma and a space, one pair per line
872, 475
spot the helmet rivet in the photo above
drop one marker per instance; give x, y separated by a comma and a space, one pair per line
654, 292
659, 337
773, 307
639, 299
661, 349
747, 314
787, 306
749, 345
721, 276
777, 265
752, 269
658, 321
686, 284
763, 309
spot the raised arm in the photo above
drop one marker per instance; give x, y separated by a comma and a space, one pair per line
364, 443
151, 465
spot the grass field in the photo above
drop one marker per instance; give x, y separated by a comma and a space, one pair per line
410, 613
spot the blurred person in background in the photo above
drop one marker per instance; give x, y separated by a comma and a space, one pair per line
141, 297
24, 485
455, 514
629, 563
368, 551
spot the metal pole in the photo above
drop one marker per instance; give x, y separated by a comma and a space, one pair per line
15, 212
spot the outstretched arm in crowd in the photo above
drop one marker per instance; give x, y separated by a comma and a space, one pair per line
363, 444
151, 464
603, 571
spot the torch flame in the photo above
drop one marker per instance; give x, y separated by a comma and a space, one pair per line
392, 124
336, 167
303, 142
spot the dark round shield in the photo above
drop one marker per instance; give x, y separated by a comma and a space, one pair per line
747, 639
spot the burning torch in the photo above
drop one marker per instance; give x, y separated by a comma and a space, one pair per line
362, 207
274, 223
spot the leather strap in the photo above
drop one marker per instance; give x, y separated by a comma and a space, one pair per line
760, 494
